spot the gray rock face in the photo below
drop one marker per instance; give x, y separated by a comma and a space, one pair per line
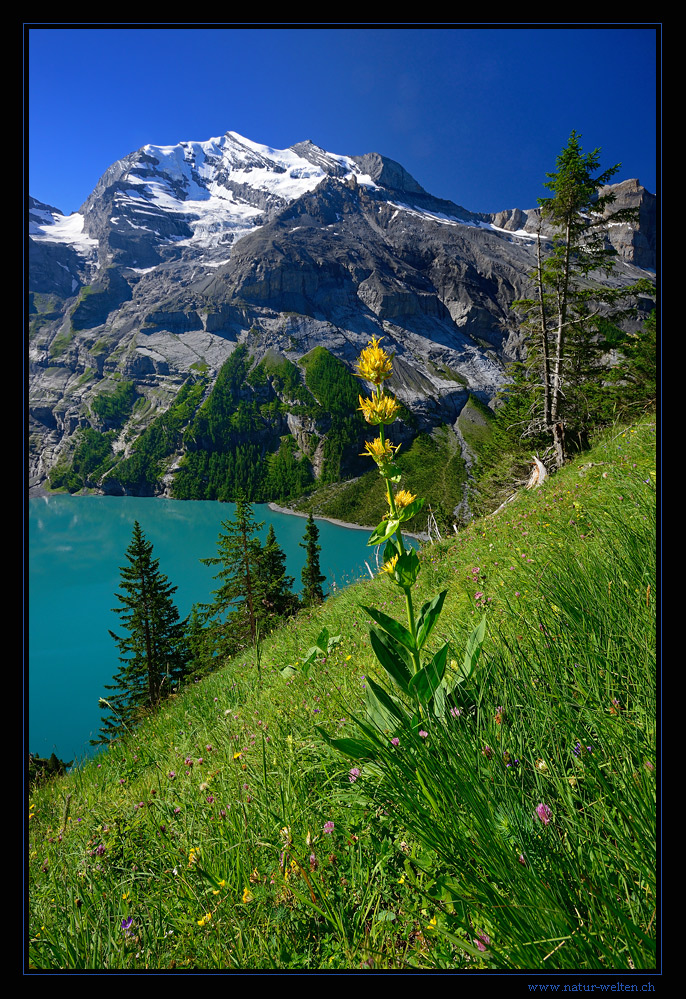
182, 252
637, 243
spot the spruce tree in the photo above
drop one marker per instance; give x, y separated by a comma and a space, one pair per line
199, 642
634, 379
564, 346
153, 652
311, 577
275, 586
234, 610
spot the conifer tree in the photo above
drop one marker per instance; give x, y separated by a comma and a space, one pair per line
238, 554
561, 321
153, 652
311, 577
198, 640
275, 586
635, 376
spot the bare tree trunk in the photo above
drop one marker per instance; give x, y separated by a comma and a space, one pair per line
544, 333
556, 422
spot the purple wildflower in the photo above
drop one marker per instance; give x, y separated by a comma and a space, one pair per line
353, 775
328, 827
423, 734
481, 940
544, 813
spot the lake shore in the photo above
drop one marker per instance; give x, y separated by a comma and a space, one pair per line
36, 492
339, 523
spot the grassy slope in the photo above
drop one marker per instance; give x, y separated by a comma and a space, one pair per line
201, 842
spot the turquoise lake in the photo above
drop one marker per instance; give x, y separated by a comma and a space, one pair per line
77, 545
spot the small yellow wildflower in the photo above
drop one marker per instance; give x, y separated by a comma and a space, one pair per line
390, 565
374, 364
236, 756
247, 895
379, 409
193, 855
205, 919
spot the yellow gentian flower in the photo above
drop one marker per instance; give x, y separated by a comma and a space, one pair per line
381, 451
374, 364
379, 409
403, 498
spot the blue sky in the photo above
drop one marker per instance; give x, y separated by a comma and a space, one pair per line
477, 114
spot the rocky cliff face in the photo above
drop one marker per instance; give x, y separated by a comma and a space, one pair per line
183, 252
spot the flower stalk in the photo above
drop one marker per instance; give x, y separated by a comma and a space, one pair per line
398, 647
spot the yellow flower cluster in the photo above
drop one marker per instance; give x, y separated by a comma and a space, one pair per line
403, 498
380, 451
374, 364
383, 453
379, 409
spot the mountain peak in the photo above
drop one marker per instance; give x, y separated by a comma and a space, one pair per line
184, 251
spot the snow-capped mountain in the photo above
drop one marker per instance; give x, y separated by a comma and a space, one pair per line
182, 252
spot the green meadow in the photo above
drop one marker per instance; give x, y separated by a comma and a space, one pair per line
518, 831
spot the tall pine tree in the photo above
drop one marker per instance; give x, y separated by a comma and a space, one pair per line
153, 652
311, 576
